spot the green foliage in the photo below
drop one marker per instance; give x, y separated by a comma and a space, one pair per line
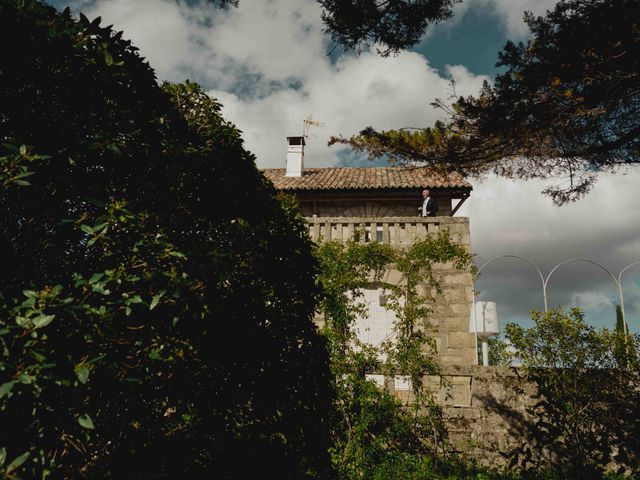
620, 328
566, 106
155, 296
356, 25
374, 432
499, 354
624, 343
588, 408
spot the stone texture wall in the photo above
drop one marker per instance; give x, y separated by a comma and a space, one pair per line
449, 320
450, 312
485, 408
486, 412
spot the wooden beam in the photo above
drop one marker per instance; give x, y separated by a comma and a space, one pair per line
462, 200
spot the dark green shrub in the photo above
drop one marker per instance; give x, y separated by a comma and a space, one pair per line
155, 295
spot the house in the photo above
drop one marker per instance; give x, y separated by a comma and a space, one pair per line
383, 202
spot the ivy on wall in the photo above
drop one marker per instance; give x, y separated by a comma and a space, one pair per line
374, 432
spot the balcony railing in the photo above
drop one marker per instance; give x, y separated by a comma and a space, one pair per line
392, 230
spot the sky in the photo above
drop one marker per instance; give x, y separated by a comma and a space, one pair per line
268, 63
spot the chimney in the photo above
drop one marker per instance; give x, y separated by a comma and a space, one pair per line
295, 156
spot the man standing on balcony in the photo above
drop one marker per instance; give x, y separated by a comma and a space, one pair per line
429, 205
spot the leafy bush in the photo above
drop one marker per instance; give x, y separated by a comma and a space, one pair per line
156, 296
587, 413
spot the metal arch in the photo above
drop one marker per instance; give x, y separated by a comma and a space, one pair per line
616, 281
583, 260
473, 306
511, 255
627, 268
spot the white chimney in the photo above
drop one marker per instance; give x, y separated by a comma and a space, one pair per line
295, 156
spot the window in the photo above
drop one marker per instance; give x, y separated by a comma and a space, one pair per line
378, 324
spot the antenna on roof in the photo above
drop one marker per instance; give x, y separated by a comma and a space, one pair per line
309, 122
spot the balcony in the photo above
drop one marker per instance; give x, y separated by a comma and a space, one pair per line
391, 230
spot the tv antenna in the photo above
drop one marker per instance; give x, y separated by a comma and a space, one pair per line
309, 122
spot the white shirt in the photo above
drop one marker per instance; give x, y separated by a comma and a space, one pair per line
424, 206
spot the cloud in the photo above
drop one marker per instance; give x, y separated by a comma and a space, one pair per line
592, 300
353, 93
512, 217
349, 94
267, 62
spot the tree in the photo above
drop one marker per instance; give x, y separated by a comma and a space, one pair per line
624, 348
390, 25
587, 412
144, 331
566, 106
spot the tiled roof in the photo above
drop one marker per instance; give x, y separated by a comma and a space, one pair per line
365, 178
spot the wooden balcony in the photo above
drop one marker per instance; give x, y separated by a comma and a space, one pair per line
392, 230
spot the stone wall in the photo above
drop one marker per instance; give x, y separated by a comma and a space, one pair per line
485, 409
449, 320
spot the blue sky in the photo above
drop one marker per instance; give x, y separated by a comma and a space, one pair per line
267, 63
474, 41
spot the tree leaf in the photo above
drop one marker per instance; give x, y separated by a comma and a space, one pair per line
95, 277
82, 373
17, 462
5, 388
42, 320
24, 322
135, 299
86, 422
3, 455
26, 378
154, 301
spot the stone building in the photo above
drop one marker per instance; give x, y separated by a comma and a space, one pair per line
487, 408
383, 202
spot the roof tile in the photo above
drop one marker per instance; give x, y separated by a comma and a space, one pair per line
365, 178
